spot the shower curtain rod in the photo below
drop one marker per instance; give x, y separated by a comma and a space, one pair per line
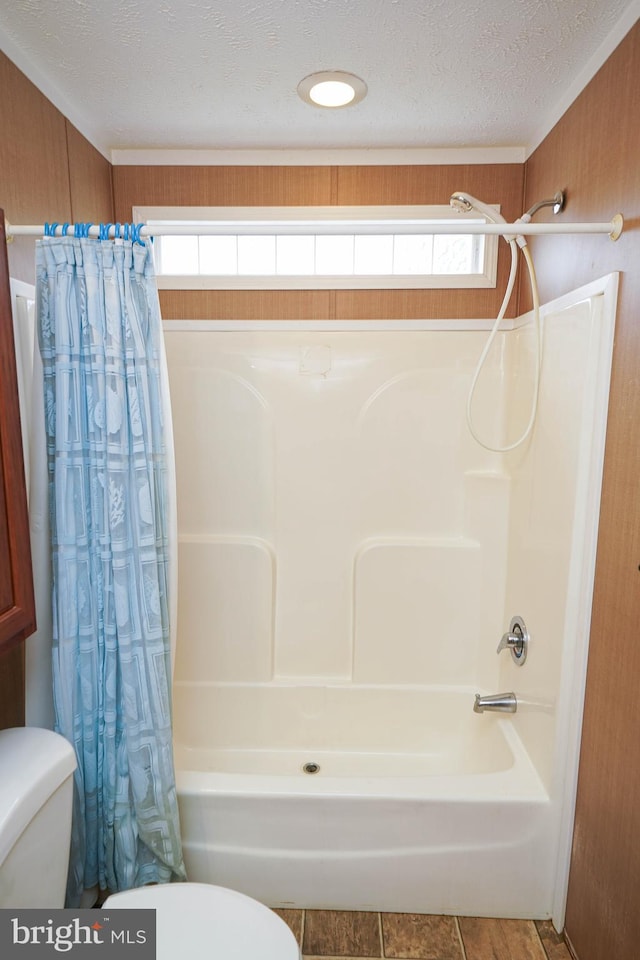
613, 228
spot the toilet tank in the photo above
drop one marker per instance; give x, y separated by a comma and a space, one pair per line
36, 790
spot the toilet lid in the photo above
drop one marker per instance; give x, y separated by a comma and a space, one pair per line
204, 922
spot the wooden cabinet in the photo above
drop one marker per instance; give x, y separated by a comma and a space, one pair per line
17, 612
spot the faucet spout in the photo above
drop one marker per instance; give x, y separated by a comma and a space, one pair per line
496, 702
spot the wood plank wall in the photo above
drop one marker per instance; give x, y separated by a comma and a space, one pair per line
48, 171
593, 152
318, 186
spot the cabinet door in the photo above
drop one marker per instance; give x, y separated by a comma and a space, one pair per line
17, 612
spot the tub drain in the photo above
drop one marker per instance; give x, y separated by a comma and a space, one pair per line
311, 767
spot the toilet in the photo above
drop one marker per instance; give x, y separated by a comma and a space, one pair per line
36, 794
204, 922
195, 920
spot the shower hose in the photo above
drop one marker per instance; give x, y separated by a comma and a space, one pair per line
514, 243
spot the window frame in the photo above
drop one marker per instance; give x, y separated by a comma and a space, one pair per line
323, 220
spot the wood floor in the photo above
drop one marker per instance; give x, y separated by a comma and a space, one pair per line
330, 934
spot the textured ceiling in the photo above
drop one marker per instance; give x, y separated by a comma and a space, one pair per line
223, 74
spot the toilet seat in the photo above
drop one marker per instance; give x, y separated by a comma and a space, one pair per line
205, 922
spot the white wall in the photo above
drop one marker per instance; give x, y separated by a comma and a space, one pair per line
336, 521
555, 486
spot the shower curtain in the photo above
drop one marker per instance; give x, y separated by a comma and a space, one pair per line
107, 421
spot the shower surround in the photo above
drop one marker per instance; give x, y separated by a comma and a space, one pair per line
349, 559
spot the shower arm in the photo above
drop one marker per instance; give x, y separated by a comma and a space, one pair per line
557, 202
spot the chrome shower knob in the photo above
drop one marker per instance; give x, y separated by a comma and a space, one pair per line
516, 640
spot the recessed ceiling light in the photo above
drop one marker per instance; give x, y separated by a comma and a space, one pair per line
332, 88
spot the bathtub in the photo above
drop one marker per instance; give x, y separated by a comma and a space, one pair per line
418, 804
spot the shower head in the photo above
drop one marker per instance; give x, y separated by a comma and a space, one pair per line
460, 203
465, 203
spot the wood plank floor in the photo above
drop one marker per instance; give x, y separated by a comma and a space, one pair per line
332, 934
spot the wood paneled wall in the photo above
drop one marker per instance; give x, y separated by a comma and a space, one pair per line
48, 171
593, 152
319, 186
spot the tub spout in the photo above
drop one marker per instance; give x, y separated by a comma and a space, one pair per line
497, 702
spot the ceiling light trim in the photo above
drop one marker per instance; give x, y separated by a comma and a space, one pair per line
318, 88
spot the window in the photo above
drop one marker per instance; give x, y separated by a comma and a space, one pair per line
317, 248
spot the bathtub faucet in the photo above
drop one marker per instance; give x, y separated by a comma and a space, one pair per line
497, 702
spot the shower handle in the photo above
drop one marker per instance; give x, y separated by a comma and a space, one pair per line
516, 640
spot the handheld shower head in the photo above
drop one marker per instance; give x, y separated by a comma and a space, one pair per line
465, 203
460, 203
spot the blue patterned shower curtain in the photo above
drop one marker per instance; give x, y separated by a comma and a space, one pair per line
106, 413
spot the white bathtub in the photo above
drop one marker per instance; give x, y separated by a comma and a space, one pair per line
419, 805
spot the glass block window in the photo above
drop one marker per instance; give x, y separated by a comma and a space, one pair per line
316, 248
